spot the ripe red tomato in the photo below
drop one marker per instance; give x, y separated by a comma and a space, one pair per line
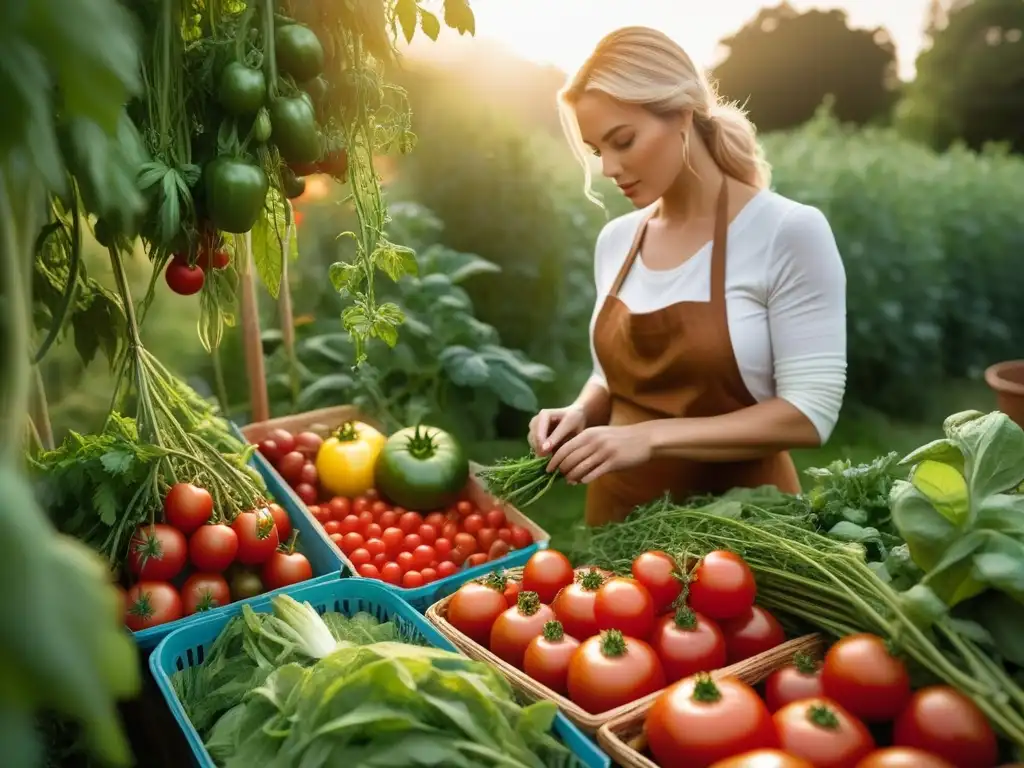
495, 518
626, 605
284, 440
350, 542
941, 720
270, 451
309, 475
688, 643
411, 541
375, 547
340, 508
547, 657
281, 520
410, 522
308, 444
546, 572
217, 259
307, 493
151, 603
799, 680
157, 552
657, 571
574, 605
477, 558
423, 556
862, 676
368, 571
290, 467
699, 720
610, 670
285, 568
427, 533
721, 586
473, 523
447, 568
257, 536
187, 507
391, 573
443, 548
513, 630
332, 527
473, 610
486, 538
405, 561
763, 758
183, 279
372, 531
464, 508
204, 592
823, 733
466, 543
754, 632
429, 575
213, 548
903, 757
521, 537
412, 579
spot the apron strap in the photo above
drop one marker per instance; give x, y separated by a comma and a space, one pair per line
718, 245
634, 249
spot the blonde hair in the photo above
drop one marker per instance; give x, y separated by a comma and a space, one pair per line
639, 65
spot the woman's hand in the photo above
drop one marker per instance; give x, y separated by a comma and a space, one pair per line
552, 426
598, 450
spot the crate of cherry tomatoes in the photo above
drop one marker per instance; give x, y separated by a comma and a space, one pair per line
404, 509
853, 709
598, 644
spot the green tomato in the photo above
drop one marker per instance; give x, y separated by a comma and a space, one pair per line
295, 130
245, 584
299, 52
242, 89
421, 468
235, 193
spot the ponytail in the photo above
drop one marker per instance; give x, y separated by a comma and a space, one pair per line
732, 141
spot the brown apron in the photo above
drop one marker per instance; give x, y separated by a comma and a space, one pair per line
671, 363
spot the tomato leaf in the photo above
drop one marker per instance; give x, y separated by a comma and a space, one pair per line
396, 261
429, 24
405, 12
459, 16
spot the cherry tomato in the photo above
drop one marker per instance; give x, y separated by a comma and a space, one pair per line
350, 542
763, 758
903, 757
309, 476
375, 547
521, 537
545, 573
446, 568
332, 527
473, 610
281, 520
423, 556
505, 535
754, 632
306, 493
365, 519
626, 605
337, 538
183, 279
721, 586
547, 657
360, 557
429, 575
187, 507
495, 519
412, 579
362, 504
380, 560
443, 548
862, 676
473, 523
574, 604
406, 561
369, 571
941, 720
245, 584
477, 558
449, 531
411, 541
486, 537
657, 571
270, 451
213, 548
308, 444
157, 552
688, 643
290, 467
372, 531
378, 508
257, 536
391, 573
799, 680
388, 520
204, 592
283, 569
427, 533
823, 733
284, 440
458, 556
465, 542
435, 520
513, 630
464, 508
610, 670
321, 514
340, 507
150, 603
392, 538
699, 720
410, 522
498, 550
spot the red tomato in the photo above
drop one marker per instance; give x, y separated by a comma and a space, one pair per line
372, 531
721, 586
513, 630
505, 535
941, 720
410, 522
478, 558
392, 538
903, 757
545, 573
443, 548
283, 569
823, 733
406, 561
321, 514
574, 604
754, 632
380, 560
458, 556
365, 518
388, 520
498, 550
362, 504
427, 533
688, 643
486, 537
307, 493
369, 571
412, 579
183, 279
449, 531
187, 507
521, 537
435, 520
157, 552
284, 440
862, 676
610, 670
547, 657
340, 507
495, 518
337, 539
257, 536
626, 605
378, 508
464, 508
465, 542
360, 557
391, 573
796, 681
375, 547
213, 548
270, 451
350, 542
309, 476
657, 571
446, 568
332, 527
473, 610
423, 556
411, 541
473, 523
699, 720
429, 575
763, 758
290, 467
281, 520
204, 592
151, 603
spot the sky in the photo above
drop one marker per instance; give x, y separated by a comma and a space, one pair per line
562, 32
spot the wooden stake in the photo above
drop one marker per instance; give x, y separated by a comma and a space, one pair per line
252, 343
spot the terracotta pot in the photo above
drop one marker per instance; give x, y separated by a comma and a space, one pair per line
1007, 381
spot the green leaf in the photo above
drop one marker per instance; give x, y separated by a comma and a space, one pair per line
117, 462
459, 16
429, 24
942, 450
994, 447
927, 532
512, 390
346, 277
923, 606
106, 503
405, 12
266, 253
394, 260
945, 488
326, 390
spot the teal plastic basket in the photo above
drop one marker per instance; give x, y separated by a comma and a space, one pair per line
186, 647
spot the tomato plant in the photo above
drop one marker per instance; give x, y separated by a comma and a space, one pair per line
610, 670
257, 536
157, 552
941, 720
151, 603
862, 676
213, 547
473, 610
547, 572
182, 278
422, 468
516, 627
241, 89
187, 507
574, 604
687, 643
763, 758
721, 586
204, 592
699, 720
799, 680
298, 51
823, 733
751, 633
547, 657
285, 568
903, 757
658, 572
626, 605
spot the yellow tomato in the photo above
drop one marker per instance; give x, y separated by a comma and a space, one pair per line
346, 460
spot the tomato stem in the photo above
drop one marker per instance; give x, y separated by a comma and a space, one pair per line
421, 444
705, 690
528, 603
613, 643
553, 631
496, 580
591, 580
346, 433
289, 547
685, 618
822, 716
805, 663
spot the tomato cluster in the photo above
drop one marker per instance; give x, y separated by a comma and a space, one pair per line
186, 277
229, 560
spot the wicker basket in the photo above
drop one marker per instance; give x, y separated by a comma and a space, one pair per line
623, 737
588, 721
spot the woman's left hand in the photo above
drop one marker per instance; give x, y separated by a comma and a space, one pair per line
598, 450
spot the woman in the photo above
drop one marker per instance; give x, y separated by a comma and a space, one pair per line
719, 332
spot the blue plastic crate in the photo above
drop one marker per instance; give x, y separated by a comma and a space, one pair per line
186, 648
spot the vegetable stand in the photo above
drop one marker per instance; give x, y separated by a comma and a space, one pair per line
189, 646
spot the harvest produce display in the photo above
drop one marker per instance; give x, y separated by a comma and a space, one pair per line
394, 505
293, 688
913, 565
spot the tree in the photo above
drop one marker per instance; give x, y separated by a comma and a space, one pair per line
970, 82
782, 65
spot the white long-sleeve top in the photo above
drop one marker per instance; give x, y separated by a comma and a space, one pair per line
785, 298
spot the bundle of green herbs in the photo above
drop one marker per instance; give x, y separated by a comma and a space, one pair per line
519, 481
